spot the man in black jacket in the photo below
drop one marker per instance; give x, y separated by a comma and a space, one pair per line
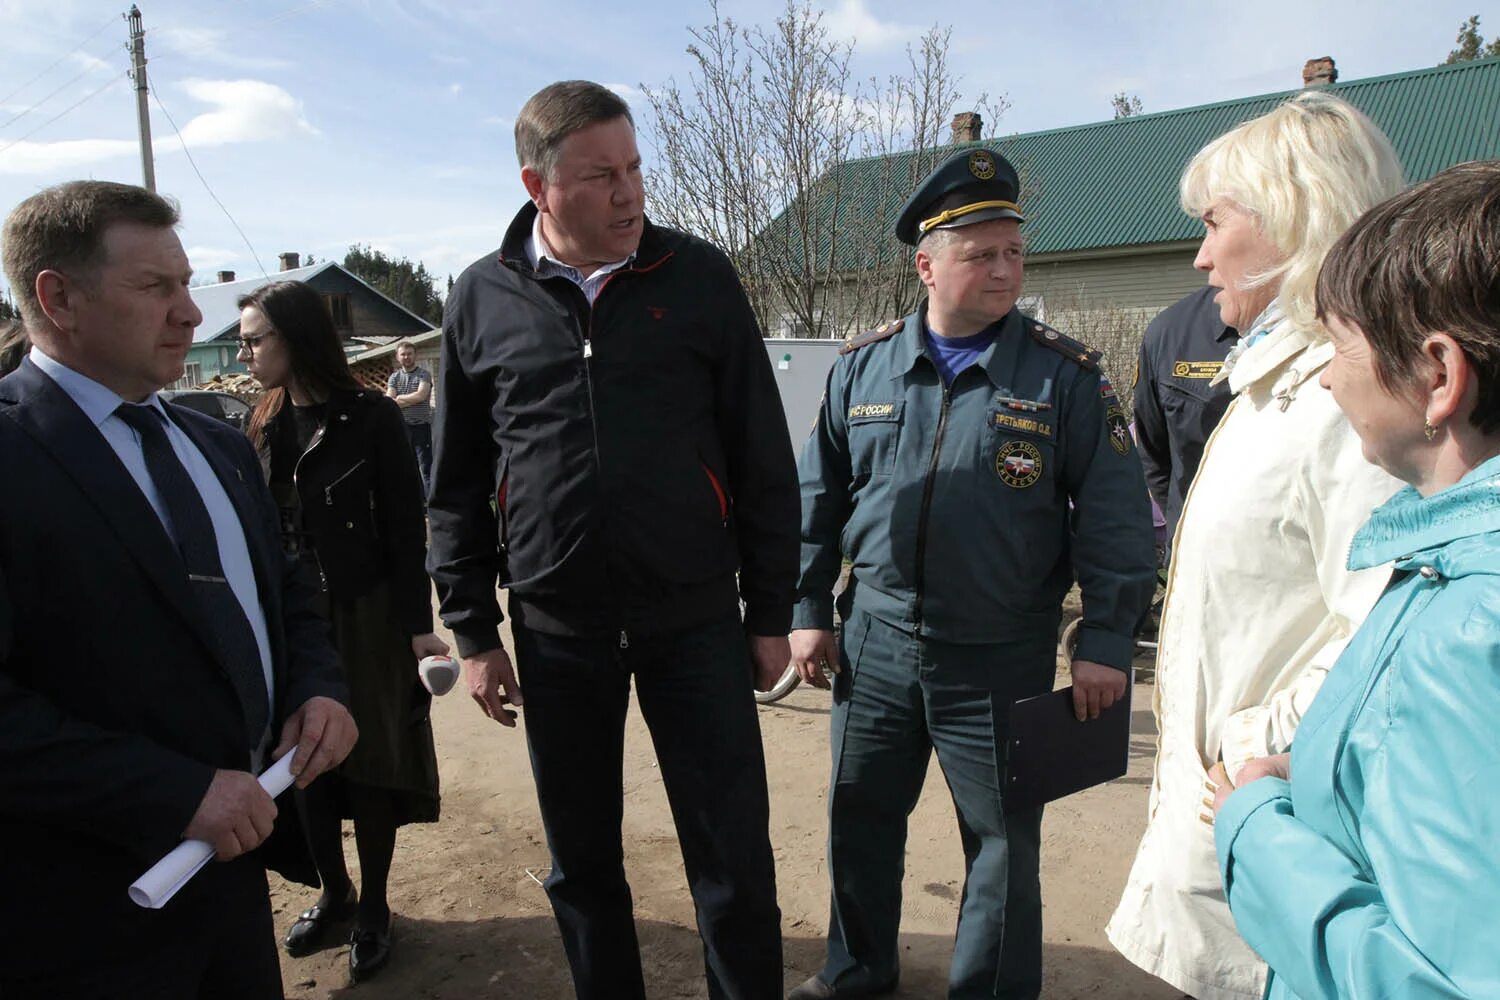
611, 448
1177, 402
155, 646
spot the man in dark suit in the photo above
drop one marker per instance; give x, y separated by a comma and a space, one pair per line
155, 648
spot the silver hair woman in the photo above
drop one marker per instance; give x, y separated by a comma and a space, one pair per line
1259, 602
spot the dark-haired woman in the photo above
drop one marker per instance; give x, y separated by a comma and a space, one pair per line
342, 470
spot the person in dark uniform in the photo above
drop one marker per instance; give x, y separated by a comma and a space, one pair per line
1177, 401
942, 465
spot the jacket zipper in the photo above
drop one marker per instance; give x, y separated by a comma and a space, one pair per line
328, 490
587, 332
588, 375
317, 439
926, 508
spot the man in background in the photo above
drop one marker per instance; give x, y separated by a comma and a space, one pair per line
410, 385
1176, 404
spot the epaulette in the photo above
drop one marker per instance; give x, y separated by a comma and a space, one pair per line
1073, 350
884, 331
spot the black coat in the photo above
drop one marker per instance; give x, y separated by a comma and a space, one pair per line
361, 502
114, 711
612, 465
361, 496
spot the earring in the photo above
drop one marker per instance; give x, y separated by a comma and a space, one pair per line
1429, 430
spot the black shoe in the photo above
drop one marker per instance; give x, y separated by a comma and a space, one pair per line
370, 953
306, 935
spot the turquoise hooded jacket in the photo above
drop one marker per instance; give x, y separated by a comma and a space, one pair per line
1375, 872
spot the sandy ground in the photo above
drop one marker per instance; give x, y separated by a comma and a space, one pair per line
472, 919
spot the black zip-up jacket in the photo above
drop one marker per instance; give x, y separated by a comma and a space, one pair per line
612, 466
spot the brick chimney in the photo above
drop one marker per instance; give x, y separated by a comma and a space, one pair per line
225, 277
967, 126
290, 261
1319, 72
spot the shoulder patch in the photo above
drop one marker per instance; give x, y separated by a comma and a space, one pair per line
1076, 351
884, 331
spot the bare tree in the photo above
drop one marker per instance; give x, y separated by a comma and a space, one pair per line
751, 155
907, 132
1126, 105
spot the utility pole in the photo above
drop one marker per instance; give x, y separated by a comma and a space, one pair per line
143, 114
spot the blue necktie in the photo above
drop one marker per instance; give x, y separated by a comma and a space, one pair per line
193, 530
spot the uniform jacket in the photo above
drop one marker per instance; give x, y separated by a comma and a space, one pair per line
952, 504
1259, 604
1176, 403
114, 709
361, 498
612, 466
1375, 872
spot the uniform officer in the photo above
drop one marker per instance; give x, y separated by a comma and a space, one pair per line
1179, 399
945, 457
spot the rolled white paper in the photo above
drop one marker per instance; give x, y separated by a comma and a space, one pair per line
153, 889
438, 673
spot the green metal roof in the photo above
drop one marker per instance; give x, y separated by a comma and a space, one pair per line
1114, 183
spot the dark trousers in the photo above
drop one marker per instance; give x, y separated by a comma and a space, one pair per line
897, 699
695, 691
420, 436
213, 941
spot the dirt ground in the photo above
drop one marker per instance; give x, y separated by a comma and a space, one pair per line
472, 919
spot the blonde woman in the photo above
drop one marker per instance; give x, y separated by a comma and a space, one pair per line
1259, 602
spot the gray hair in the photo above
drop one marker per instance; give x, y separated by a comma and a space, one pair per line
556, 112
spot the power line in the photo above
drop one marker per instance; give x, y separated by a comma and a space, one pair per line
87, 97
51, 94
204, 181
77, 48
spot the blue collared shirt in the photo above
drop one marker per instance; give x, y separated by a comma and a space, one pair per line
547, 266
99, 403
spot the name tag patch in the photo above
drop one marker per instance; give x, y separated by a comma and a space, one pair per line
1018, 464
861, 412
1027, 425
1196, 369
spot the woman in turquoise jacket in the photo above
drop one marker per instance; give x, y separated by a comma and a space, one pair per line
1367, 865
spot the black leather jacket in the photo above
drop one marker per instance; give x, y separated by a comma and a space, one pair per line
361, 497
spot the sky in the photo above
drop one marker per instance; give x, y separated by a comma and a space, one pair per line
317, 124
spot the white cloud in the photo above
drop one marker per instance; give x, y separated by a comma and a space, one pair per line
630, 95
499, 120
455, 88
208, 45
86, 61
852, 21
246, 111
49, 157
206, 260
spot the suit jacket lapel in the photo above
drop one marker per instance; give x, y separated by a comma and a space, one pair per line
50, 416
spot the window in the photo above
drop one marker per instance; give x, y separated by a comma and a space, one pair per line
792, 326
338, 308
192, 374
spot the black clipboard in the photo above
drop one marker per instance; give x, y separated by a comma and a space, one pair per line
1050, 754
